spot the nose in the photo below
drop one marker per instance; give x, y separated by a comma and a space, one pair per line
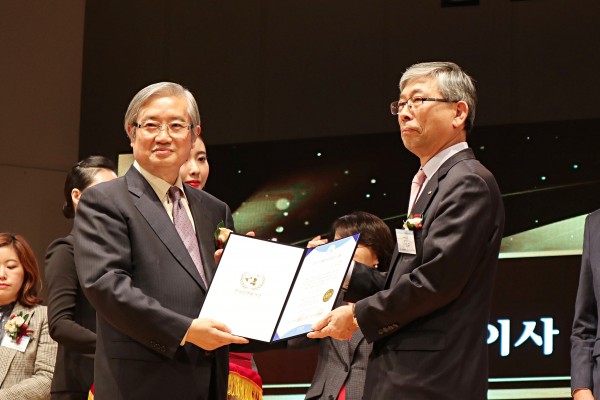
194, 170
163, 135
2, 273
405, 114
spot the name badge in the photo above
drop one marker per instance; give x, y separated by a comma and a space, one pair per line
12, 344
406, 241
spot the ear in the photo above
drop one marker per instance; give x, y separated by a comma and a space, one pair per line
462, 112
131, 138
75, 196
195, 134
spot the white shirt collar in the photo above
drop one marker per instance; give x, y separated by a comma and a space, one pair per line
160, 186
436, 161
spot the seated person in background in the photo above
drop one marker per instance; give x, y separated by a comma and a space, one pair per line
71, 317
244, 382
342, 365
27, 352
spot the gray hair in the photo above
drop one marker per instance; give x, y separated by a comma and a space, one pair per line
160, 89
452, 82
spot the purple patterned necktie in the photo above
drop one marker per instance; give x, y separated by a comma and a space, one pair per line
186, 230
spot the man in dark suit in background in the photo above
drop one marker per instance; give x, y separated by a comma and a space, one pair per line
144, 254
427, 318
585, 337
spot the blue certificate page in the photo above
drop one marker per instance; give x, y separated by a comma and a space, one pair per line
316, 287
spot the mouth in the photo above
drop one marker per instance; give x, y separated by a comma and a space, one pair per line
162, 151
408, 131
4, 285
193, 183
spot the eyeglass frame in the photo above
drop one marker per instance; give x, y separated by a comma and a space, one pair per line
399, 105
162, 127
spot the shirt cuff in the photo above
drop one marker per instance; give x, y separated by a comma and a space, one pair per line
185, 336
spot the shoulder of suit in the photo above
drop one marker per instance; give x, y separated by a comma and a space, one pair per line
201, 195
465, 162
63, 242
37, 311
119, 183
593, 217
60, 246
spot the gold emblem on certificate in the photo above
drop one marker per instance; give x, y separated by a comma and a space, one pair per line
252, 280
327, 295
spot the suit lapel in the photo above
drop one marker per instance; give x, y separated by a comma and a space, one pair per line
7, 355
426, 195
342, 347
154, 212
347, 348
354, 342
430, 190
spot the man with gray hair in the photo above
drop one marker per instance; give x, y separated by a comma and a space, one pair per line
144, 251
427, 318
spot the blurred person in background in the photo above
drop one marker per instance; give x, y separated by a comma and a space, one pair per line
342, 364
244, 382
27, 352
71, 317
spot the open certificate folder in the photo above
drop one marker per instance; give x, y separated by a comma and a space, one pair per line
270, 291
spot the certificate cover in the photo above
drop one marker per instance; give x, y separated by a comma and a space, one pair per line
270, 291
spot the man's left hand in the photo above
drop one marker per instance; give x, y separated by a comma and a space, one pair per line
338, 324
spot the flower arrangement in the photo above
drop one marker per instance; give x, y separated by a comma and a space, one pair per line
16, 327
414, 222
221, 235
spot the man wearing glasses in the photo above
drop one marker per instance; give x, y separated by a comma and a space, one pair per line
144, 254
427, 318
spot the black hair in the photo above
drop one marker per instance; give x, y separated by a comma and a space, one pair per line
374, 233
81, 176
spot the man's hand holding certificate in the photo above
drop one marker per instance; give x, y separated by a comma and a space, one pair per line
270, 291
338, 324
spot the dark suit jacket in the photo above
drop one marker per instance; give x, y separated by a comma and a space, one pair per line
72, 321
585, 337
428, 318
137, 273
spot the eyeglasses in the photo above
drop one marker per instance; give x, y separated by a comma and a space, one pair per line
153, 128
397, 106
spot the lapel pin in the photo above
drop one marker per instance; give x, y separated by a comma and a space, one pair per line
429, 193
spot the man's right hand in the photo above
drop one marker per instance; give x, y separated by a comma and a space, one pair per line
210, 334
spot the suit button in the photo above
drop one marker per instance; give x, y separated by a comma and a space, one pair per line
345, 368
330, 397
